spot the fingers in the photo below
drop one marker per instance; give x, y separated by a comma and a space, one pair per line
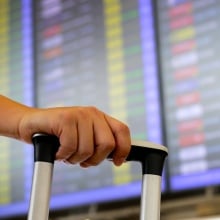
122, 138
104, 141
68, 142
85, 147
88, 136
110, 135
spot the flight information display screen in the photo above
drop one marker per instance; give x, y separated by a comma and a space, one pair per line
99, 53
16, 83
189, 55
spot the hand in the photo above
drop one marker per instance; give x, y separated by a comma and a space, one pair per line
87, 135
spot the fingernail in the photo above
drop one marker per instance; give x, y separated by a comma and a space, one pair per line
84, 165
119, 161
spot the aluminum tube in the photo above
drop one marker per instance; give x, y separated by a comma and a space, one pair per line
151, 197
41, 190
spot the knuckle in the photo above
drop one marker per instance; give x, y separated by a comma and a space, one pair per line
83, 113
66, 116
123, 128
93, 109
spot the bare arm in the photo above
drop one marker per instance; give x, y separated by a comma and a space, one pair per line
87, 135
11, 115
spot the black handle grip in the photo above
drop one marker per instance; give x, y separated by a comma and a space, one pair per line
150, 155
151, 159
45, 147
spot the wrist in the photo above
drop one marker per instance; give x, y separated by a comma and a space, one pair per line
24, 124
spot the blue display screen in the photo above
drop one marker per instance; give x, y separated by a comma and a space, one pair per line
16, 82
99, 53
189, 56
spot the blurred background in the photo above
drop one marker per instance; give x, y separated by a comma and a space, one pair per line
152, 64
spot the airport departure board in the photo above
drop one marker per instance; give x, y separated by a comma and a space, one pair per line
189, 54
99, 53
16, 83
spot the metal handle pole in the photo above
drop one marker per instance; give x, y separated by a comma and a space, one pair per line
150, 197
41, 188
45, 148
149, 154
152, 158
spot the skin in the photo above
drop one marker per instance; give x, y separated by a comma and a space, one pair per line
87, 135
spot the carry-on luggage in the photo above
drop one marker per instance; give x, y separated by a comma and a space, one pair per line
150, 155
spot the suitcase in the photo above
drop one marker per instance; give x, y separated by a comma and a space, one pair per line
150, 155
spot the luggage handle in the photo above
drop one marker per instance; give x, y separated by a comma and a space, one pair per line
150, 155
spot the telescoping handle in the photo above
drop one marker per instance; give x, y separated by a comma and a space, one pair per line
45, 148
152, 158
150, 155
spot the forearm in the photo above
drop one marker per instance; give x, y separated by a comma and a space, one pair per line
11, 114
